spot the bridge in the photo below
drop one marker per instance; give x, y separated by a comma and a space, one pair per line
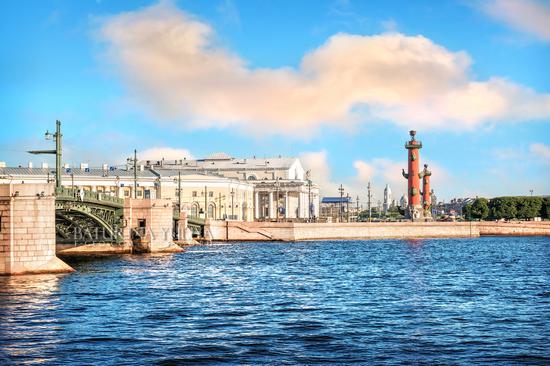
84, 217
195, 224
87, 217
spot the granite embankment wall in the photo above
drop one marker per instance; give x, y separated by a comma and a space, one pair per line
260, 231
523, 228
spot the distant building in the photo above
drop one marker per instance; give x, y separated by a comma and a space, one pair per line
387, 199
336, 209
454, 207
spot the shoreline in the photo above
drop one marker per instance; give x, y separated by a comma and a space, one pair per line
273, 231
236, 231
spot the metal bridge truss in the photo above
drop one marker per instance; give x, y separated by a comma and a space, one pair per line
87, 217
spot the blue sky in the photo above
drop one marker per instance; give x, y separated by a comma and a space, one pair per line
338, 83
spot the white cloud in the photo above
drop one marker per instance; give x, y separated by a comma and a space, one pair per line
167, 153
529, 16
364, 171
541, 151
172, 64
318, 164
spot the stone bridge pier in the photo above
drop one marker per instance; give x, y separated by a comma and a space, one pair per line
148, 225
27, 230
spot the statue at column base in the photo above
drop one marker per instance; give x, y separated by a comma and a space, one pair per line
418, 213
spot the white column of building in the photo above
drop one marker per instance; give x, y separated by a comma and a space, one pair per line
305, 198
256, 205
299, 210
271, 205
286, 205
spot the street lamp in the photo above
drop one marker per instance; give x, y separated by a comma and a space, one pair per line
369, 196
341, 190
57, 152
134, 161
357, 209
347, 206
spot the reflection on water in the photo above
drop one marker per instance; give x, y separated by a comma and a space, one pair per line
458, 301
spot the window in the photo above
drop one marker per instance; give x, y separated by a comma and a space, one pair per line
195, 210
211, 194
211, 210
194, 193
139, 193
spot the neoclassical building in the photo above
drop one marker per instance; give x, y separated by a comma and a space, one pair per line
282, 189
202, 195
218, 187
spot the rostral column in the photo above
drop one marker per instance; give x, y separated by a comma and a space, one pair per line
426, 194
415, 209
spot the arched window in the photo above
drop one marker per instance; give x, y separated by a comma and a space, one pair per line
211, 211
251, 177
195, 210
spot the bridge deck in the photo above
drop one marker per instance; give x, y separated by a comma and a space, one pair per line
70, 194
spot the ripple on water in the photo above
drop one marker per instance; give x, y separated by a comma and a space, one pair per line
446, 301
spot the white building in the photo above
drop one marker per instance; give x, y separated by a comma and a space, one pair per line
387, 199
218, 187
281, 188
202, 195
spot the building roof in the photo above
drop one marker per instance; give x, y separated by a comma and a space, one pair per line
77, 172
164, 172
221, 161
336, 200
218, 156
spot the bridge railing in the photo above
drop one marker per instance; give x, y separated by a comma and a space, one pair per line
66, 193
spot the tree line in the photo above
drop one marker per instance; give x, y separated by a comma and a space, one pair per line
508, 208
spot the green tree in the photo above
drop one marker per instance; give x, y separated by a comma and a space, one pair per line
528, 207
480, 208
393, 212
467, 211
503, 208
545, 208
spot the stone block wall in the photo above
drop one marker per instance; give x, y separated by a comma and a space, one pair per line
260, 231
27, 230
523, 228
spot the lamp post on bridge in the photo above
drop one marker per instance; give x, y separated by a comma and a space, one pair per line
57, 152
134, 162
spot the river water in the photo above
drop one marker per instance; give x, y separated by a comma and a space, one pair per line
451, 301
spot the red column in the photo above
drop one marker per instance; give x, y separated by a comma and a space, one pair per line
426, 197
413, 174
